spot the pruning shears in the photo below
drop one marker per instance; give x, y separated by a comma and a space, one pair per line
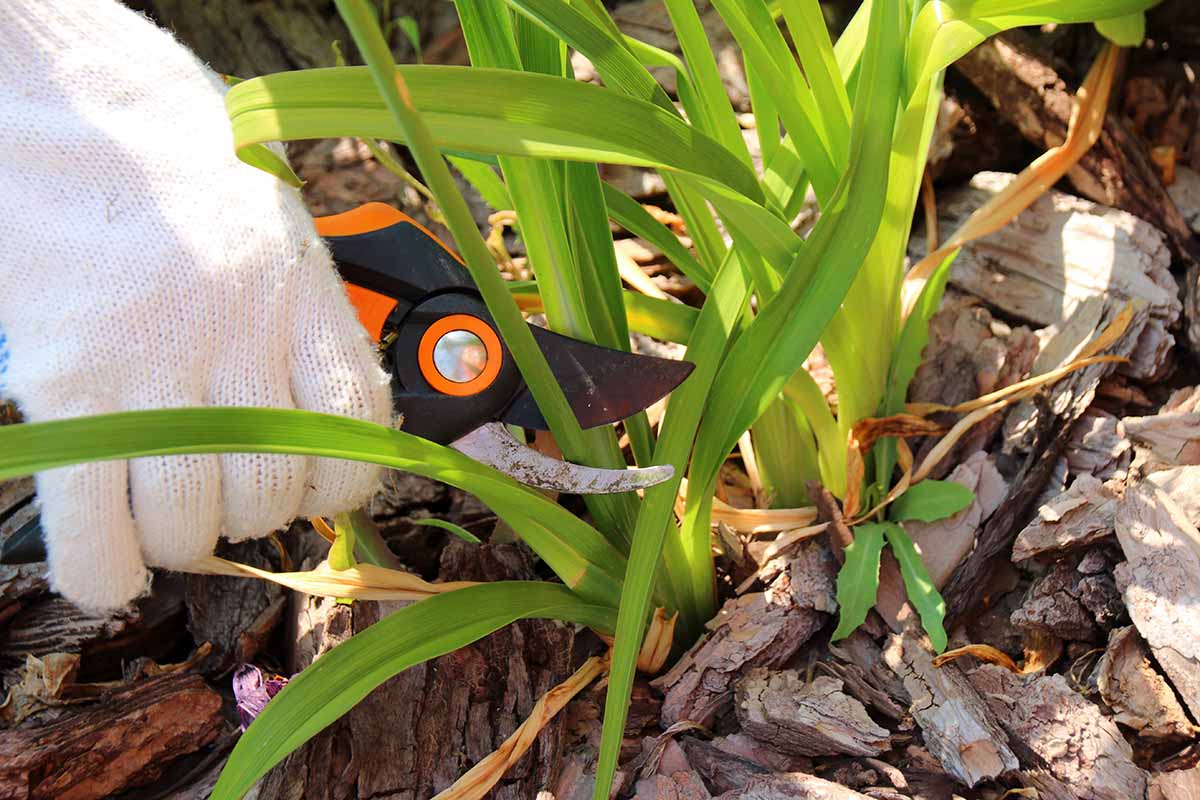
453, 379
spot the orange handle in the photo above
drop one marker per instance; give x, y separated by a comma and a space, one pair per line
373, 308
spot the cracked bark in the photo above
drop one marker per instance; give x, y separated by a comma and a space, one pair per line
959, 730
808, 719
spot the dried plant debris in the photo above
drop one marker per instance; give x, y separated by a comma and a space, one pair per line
1076, 519
1173, 434
760, 629
959, 729
1159, 582
813, 718
1132, 687
1057, 730
1060, 252
126, 740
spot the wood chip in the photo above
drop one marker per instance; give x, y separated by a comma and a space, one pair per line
1132, 687
959, 729
810, 719
761, 629
1099, 446
126, 740
1172, 434
1182, 784
1069, 736
1159, 580
1078, 518
1183, 486
1058, 253
1053, 606
792, 786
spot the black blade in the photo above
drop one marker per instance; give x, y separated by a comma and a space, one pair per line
25, 546
602, 385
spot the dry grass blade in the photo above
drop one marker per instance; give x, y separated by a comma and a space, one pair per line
1087, 120
632, 274
752, 520
1041, 651
360, 582
863, 437
324, 529
657, 645
480, 779
750, 462
789, 538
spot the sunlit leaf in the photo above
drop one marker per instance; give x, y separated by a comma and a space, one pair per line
858, 579
931, 500
922, 593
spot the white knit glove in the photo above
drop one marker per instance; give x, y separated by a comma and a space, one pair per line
145, 267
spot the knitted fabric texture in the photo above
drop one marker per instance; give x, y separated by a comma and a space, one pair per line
146, 267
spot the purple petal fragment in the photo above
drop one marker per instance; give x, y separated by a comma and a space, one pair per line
253, 690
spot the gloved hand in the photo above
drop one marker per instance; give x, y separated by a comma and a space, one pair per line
145, 267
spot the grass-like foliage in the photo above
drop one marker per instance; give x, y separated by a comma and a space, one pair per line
851, 119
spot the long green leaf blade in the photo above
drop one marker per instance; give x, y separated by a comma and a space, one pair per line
482, 110
921, 592
858, 579
345, 675
575, 550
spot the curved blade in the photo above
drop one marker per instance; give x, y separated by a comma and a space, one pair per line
493, 445
602, 385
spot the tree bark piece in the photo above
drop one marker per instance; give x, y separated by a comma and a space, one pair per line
1061, 251
125, 740
808, 719
1078, 518
761, 629
1054, 606
959, 729
1068, 735
420, 730
1182, 784
1130, 685
792, 786
1117, 171
1173, 433
1159, 581
1182, 484
235, 615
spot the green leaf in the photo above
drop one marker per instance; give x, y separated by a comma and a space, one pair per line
921, 592
262, 157
773, 347
1126, 31
858, 579
931, 500
408, 26
447, 525
341, 552
946, 30
577, 552
346, 674
655, 531
482, 110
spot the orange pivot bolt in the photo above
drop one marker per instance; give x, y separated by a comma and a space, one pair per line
460, 355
